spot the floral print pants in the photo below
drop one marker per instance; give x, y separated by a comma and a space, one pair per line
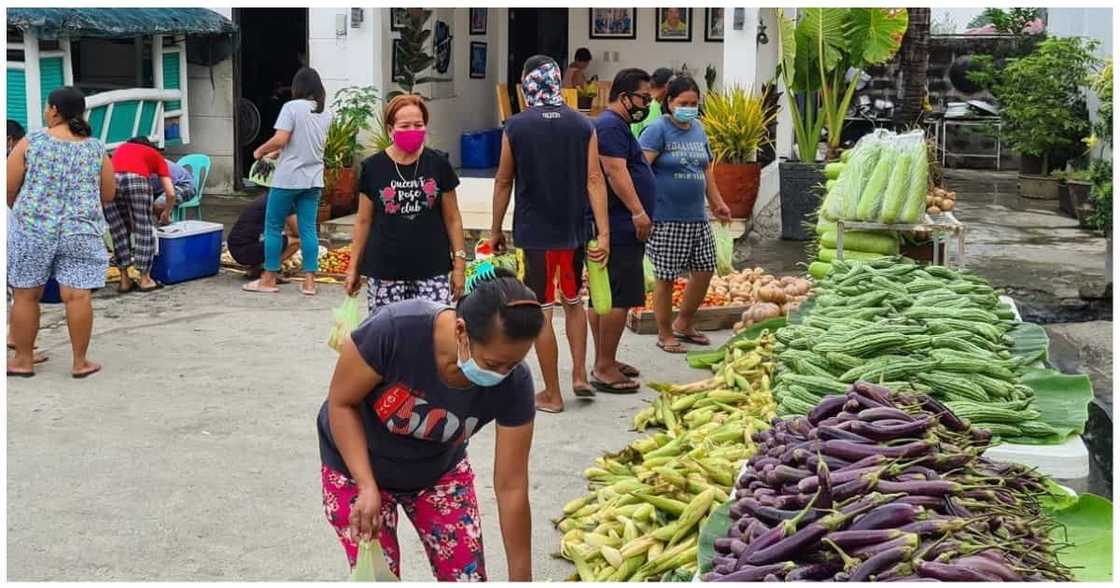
445, 516
384, 292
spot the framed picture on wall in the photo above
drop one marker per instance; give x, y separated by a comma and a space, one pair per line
478, 21
398, 71
713, 24
613, 23
398, 19
674, 25
478, 60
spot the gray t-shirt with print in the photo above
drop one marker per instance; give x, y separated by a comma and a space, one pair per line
300, 165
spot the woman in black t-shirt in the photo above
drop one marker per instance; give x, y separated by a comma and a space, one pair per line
409, 235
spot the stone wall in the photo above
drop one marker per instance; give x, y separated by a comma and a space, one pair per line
948, 61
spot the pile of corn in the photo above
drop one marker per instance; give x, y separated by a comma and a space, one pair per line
647, 504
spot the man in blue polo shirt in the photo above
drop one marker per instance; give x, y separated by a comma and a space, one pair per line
549, 151
630, 201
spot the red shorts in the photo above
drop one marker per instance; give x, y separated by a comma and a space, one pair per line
550, 270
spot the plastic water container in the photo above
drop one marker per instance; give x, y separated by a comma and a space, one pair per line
474, 147
188, 250
494, 139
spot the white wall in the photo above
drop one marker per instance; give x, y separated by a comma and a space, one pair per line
350, 60
644, 51
1094, 23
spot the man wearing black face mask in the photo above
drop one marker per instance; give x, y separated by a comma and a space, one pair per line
630, 196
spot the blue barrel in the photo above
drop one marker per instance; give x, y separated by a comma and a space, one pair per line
494, 138
475, 150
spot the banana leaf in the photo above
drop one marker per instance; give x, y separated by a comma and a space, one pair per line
719, 522
1087, 526
706, 359
1031, 341
1062, 399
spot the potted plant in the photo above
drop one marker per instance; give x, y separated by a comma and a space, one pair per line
355, 110
736, 120
815, 55
1073, 191
413, 58
1042, 106
585, 95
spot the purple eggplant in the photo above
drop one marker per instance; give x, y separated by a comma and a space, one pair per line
811, 459
878, 562
987, 566
887, 516
884, 412
926, 501
848, 539
811, 534
827, 407
933, 526
911, 579
766, 513
722, 545
952, 573
942, 412
841, 477
927, 488
904, 540
761, 543
879, 431
863, 483
871, 460
814, 571
758, 461
854, 451
879, 394
840, 434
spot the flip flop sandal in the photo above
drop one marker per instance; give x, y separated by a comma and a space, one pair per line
628, 370
85, 375
255, 287
675, 347
14, 374
549, 410
311, 292
583, 392
158, 286
615, 388
694, 338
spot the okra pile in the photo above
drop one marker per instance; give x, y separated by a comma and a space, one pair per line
648, 502
931, 329
880, 486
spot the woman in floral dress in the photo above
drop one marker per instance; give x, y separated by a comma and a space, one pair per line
415, 381
58, 179
409, 235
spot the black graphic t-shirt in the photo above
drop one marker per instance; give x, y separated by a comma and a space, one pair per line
416, 426
408, 239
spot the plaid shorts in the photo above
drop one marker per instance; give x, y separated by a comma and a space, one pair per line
677, 248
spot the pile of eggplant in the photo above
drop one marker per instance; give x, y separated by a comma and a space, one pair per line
877, 486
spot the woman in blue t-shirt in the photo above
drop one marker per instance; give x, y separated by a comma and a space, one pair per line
681, 242
415, 381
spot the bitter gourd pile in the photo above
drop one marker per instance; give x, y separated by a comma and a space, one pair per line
929, 329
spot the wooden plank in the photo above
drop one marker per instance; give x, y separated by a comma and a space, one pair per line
708, 318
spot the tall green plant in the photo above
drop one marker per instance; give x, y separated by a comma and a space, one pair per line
412, 57
355, 110
1041, 100
736, 121
816, 54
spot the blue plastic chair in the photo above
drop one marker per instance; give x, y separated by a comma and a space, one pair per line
199, 166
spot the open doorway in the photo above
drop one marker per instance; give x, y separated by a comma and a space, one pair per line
273, 48
535, 31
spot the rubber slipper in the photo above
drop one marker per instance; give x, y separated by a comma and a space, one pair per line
674, 347
628, 370
584, 392
144, 290
307, 292
38, 358
549, 410
616, 387
694, 338
14, 374
85, 375
255, 286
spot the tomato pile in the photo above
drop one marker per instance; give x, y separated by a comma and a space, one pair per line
335, 261
710, 299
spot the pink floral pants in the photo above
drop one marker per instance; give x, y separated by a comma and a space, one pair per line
445, 516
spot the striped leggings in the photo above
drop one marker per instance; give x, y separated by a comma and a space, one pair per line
132, 209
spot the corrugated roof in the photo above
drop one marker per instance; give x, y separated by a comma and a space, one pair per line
55, 23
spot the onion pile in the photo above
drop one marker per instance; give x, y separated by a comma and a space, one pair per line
772, 297
872, 486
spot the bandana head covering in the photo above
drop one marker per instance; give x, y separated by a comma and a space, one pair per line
542, 86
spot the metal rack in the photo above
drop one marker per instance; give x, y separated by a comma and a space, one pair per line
943, 228
995, 122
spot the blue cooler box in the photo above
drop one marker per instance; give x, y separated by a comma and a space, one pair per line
188, 250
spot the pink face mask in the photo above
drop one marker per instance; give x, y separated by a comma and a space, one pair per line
409, 141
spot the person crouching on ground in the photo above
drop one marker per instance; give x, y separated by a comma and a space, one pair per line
181, 179
130, 214
58, 180
298, 144
413, 383
246, 238
676, 147
409, 234
551, 152
630, 202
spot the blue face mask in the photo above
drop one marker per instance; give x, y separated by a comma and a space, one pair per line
686, 113
477, 375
